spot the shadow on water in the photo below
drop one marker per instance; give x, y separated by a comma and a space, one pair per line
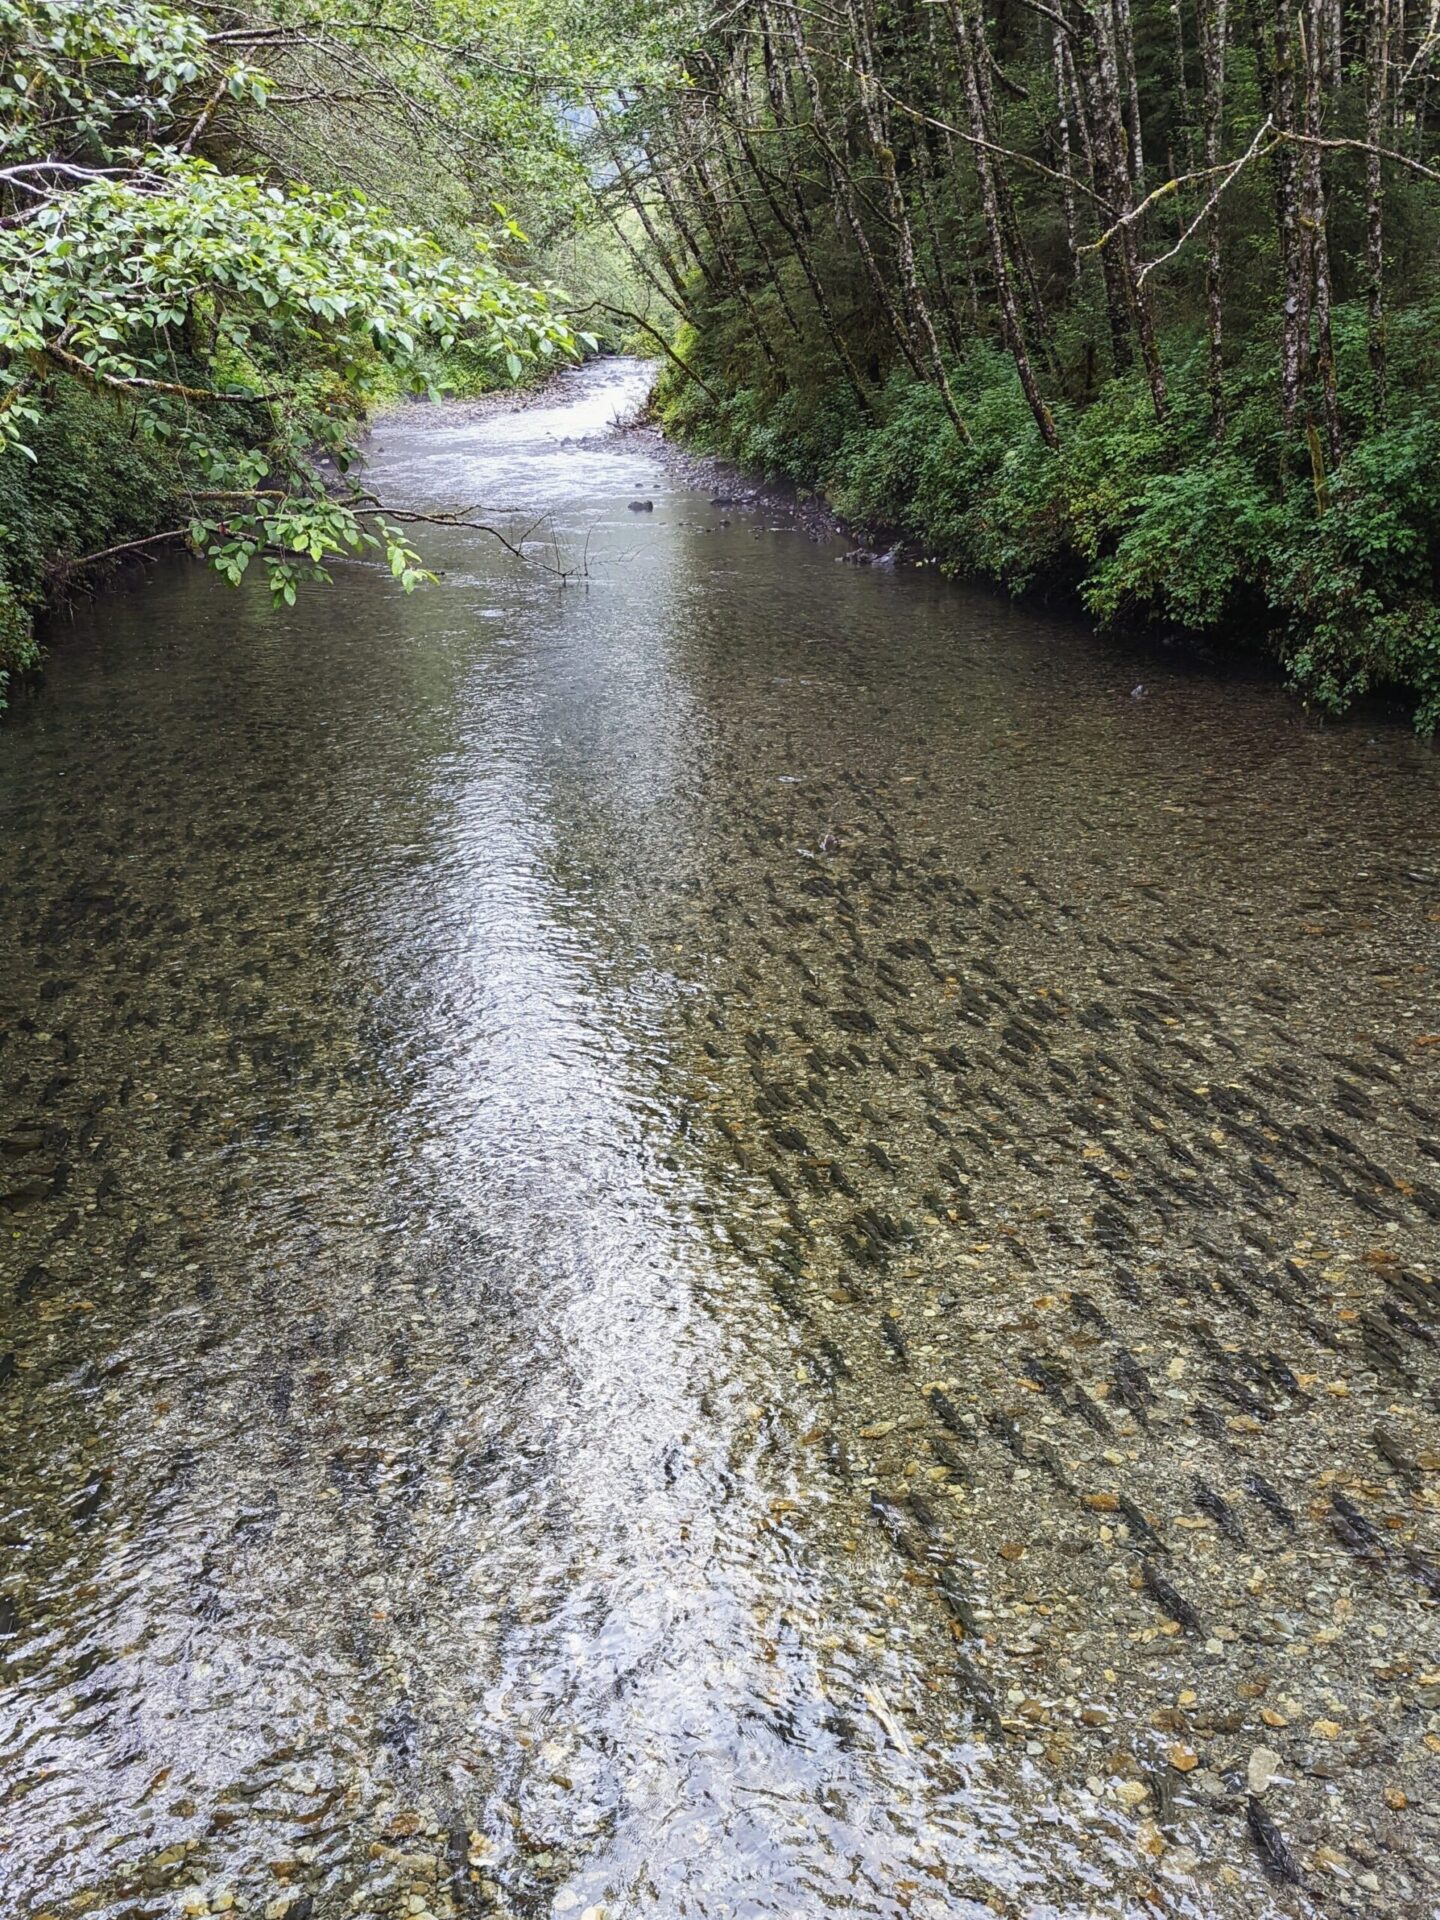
723, 1241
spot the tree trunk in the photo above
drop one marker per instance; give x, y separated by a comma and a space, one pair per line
1377, 41
1182, 84
1068, 190
635, 195
1115, 184
877, 125
794, 224
842, 186
1294, 280
1124, 31
757, 236
990, 208
1313, 180
1212, 55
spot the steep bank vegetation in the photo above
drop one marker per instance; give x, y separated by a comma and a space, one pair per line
223, 232
1134, 298
1139, 296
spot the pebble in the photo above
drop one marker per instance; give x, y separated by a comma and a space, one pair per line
1264, 1765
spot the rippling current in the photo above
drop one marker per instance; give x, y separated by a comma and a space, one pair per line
742, 1238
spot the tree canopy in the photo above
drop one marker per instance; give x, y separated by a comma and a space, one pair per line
234, 311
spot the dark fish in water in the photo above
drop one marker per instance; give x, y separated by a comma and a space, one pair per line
1239, 1395
1420, 1295
949, 1415
24, 1194
957, 1601
1424, 1570
924, 1514
950, 1459
1273, 1504
1237, 1294
1161, 1782
894, 1339
35, 1278
838, 1365
837, 1461
1088, 1314
1006, 1432
1277, 1371
1382, 1346
854, 1019
1139, 1525
1353, 1530
1275, 1851
1390, 1449
892, 1524
1169, 1600
1208, 1421
1129, 1287
1398, 1317
1042, 1451
90, 1501
978, 1694
1045, 1376
1083, 1405
1209, 1345
1215, 1508
9, 1368
839, 1181
1131, 1387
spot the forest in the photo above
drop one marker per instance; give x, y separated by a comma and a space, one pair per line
1133, 304
1136, 301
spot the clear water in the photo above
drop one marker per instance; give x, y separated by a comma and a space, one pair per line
513, 1099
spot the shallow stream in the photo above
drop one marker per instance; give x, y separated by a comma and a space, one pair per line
731, 1237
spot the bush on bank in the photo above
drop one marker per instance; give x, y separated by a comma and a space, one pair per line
94, 482
99, 479
1336, 574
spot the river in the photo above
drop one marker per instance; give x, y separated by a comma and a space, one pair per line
691, 1231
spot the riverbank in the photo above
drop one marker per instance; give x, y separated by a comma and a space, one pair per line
101, 496
1245, 548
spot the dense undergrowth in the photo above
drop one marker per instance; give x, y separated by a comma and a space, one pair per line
1250, 541
93, 483
204, 289
100, 479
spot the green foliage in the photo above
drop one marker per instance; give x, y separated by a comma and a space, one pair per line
1357, 587
1146, 525
241, 320
96, 480
988, 504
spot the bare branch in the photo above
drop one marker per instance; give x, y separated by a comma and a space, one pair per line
132, 383
1254, 152
1228, 168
